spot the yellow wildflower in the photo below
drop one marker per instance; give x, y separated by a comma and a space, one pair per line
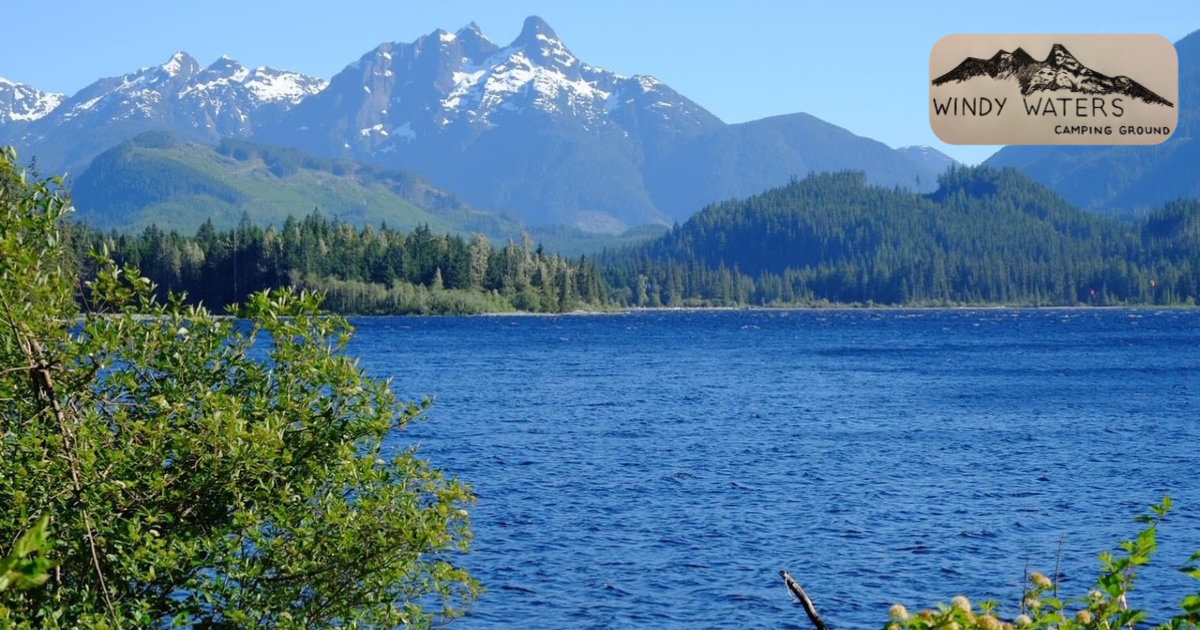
1040, 580
988, 622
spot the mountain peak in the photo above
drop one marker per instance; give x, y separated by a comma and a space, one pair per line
533, 27
180, 63
470, 27
24, 103
475, 45
178, 60
541, 45
224, 63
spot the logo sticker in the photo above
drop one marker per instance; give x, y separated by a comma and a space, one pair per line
1053, 89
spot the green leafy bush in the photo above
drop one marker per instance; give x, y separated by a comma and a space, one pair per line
202, 471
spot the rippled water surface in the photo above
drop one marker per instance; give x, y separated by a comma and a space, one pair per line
657, 470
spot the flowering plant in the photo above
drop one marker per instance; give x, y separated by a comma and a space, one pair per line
1104, 607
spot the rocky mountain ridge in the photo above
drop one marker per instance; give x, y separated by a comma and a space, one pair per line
526, 127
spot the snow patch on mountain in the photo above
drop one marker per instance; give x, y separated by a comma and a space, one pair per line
80, 108
24, 103
263, 85
462, 83
225, 99
554, 49
550, 76
647, 83
271, 86
176, 64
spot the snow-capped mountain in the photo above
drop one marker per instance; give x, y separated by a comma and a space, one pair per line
526, 127
225, 99
463, 84
20, 103
219, 99
532, 128
142, 95
227, 96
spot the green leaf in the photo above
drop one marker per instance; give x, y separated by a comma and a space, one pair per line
1147, 540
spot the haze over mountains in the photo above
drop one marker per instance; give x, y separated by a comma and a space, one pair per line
526, 127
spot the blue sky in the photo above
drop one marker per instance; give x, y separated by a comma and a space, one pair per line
858, 64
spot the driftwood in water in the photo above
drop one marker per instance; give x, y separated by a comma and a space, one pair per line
809, 609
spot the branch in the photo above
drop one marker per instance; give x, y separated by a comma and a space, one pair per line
42, 379
809, 609
804, 600
19, 368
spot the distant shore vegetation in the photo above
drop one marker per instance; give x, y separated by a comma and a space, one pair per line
359, 270
985, 238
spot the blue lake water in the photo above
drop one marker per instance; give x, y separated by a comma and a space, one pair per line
657, 470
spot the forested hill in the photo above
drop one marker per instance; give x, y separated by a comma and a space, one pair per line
985, 236
162, 180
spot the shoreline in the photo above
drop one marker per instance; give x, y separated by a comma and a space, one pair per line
721, 309
775, 309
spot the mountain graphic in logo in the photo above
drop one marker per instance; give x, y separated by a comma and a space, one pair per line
1060, 70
